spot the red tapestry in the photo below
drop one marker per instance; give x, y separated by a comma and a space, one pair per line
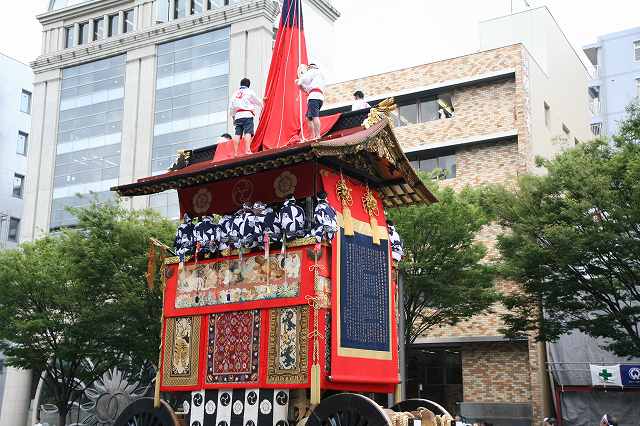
233, 347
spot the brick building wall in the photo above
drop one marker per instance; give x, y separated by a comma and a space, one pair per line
500, 371
496, 372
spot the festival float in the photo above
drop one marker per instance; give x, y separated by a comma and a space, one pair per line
280, 294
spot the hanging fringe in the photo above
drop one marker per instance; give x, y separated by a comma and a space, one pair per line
156, 391
344, 194
397, 394
315, 303
315, 384
151, 265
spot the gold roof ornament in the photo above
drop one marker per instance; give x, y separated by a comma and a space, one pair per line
380, 112
183, 159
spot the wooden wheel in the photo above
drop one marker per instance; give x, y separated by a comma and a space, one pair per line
415, 403
142, 413
348, 409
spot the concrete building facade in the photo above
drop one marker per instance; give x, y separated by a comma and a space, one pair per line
483, 118
15, 132
616, 78
121, 85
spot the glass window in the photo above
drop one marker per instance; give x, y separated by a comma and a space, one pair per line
214, 4
439, 167
14, 229
636, 50
18, 185
191, 101
98, 29
180, 9
129, 21
68, 37
638, 87
25, 101
428, 111
23, 139
407, 114
89, 135
197, 6
113, 25
83, 33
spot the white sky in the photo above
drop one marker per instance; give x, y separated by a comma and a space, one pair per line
380, 35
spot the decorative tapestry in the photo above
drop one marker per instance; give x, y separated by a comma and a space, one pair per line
233, 346
181, 352
233, 281
288, 345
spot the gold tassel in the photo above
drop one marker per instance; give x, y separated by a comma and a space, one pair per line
370, 205
397, 395
315, 384
156, 392
151, 265
344, 194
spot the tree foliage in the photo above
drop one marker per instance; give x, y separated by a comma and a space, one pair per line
76, 304
574, 243
445, 279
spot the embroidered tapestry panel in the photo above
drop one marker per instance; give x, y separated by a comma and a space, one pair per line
233, 281
288, 345
181, 351
233, 346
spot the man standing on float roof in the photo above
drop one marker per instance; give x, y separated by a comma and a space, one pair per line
243, 106
312, 82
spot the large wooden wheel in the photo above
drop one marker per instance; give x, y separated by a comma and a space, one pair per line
415, 403
141, 412
348, 409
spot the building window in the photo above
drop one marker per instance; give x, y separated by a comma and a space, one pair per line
638, 87
23, 139
25, 102
113, 25
180, 9
14, 229
89, 135
98, 29
435, 373
423, 110
129, 21
547, 115
636, 50
213, 4
191, 101
68, 37
596, 129
197, 6
18, 185
83, 33
440, 166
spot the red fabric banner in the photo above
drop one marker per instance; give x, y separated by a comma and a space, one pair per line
227, 196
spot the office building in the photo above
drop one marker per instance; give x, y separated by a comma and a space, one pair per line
16, 104
616, 78
121, 85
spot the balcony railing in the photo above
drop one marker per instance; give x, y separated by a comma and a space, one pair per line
596, 129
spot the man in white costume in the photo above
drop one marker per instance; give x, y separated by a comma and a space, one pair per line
243, 107
312, 82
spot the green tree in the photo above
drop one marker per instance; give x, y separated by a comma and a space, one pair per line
574, 243
445, 278
76, 304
